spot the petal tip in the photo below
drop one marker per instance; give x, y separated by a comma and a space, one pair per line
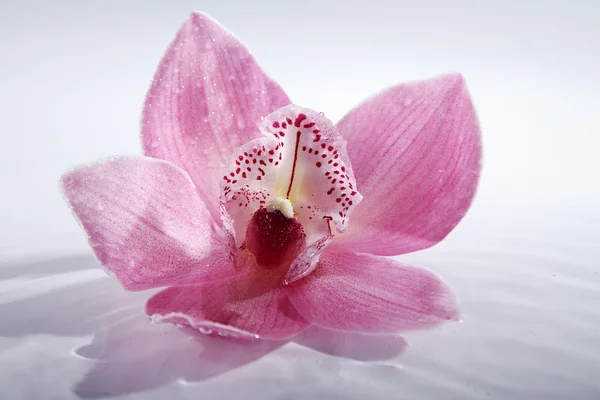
197, 17
455, 77
453, 82
446, 307
63, 182
204, 23
450, 311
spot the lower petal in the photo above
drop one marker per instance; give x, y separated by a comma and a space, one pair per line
365, 293
247, 306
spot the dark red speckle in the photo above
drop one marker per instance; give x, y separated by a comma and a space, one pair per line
299, 119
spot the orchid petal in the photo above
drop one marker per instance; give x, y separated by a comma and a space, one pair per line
249, 305
416, 150
207, 97
301, 158
145, 223
370, 294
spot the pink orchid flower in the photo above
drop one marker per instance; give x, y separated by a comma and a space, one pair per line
262, 217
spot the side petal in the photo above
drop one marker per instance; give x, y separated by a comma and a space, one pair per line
247, 306
416, 151
370, 294
146, 223
207, 99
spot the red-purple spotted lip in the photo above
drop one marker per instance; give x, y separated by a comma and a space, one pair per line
300, 158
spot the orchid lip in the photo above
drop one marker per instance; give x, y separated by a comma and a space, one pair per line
299, 168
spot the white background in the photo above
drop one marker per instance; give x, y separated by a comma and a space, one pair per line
73, 77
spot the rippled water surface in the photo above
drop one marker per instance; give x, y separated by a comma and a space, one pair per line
528, 282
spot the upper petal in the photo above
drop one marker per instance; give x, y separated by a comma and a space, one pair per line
416, 151
206, 99
365, 293
245, 306
146, 223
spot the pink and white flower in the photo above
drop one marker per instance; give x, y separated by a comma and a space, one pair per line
262, 217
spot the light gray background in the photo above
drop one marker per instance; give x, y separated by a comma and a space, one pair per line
73, 76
